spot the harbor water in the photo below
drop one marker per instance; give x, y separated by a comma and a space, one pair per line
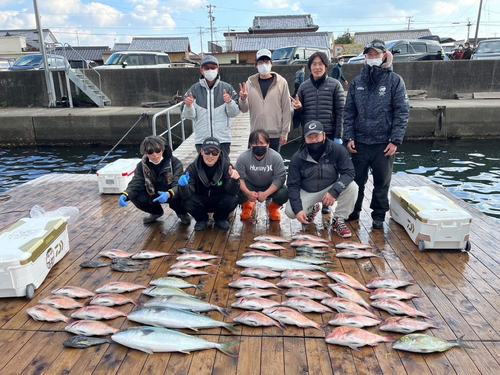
469, 169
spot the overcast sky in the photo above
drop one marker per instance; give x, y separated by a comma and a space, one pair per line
83, 22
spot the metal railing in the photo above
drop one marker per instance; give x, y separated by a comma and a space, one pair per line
84, 61
169, 127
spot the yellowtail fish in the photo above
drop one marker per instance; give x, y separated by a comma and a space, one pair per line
419, 343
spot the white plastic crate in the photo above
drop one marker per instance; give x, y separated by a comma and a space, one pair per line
431, 220
29, 249
114, 177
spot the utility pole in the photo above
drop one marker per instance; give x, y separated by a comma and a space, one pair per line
48, 75
409, 20
469, 24
478, 20
201, 40
212, 19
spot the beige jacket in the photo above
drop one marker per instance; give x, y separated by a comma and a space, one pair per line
274, 113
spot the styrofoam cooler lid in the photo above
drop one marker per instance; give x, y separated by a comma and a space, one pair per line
120, 166
430, 205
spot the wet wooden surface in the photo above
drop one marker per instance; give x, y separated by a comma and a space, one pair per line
461, 292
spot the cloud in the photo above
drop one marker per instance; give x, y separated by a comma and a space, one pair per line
103, 15
12, 20
441, 8
274, 4
6, 3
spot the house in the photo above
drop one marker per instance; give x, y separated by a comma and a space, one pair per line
75, 55
21, 42
368, 36
283, 24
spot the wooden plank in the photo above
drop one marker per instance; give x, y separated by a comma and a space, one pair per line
272, 356
249, 360
318, 361
203, 361
12, 343
44, 359
295, 355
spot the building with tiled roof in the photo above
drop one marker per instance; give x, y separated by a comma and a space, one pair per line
254, 42
87, 53
368, 36
31, 35
120, 47
177, 48
283, 24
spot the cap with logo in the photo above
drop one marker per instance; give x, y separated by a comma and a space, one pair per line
209, 59
377, 44
263, 53
211, 142
313, 127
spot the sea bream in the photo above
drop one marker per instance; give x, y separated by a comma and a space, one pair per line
163, 291
307, 293
392, 294
255, 292
277, 264
395, 307
198, 256
287, 315
356, 254
186, 272
344, 278
175, 283
302, 274
73, 292
185, 303
257, 253
297, 283
97, 313
254, 303
251, 282
354, 320
353, 245
343, 305
154, 339
90, 328
115, 253
60, 302
150, 254
307, 237
84, 342
257, 319
308, 243
192, 264
110, 299
405, 325
186, 250
355, 338
311, 260
176, 318
389, 283
419, 343
44, 313
266, 246
270, 238
259, 273
119, 287
306, 305
345, 291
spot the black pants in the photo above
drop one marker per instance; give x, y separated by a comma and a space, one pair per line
226, 148
221, 205
296, 89
275, 144
144, 202
373, 156
279, 197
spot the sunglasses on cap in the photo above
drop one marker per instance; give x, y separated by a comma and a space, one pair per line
210, 67
214, 152
154, 151
375, 45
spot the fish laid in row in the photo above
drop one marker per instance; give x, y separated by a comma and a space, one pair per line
94, 264
175, 283
388, 282
190, 263
150, 254
277, 264
110, 299
344, 278
254, 303
44, 313
266, 246
187, 272
307, 293
303, 274
356, 254
395, 307
355, 338
308, 243
163, 291
97, 313
257, 319
311, 260
286, 315
129, 262
352, 245
188, 250
251, 282
123, 268
419, 343
198, 256
306, 305
307, 237
270, 238
60, 302
260, 273
255, 292
90, 328
257, 253
343, 305
405, 325
297, 283
84, 342
185, 303
345, 291
392, 294
119, 287
73, 292
354, 320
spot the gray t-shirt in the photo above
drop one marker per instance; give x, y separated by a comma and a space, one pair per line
262, 173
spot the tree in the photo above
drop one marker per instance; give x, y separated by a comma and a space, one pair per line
345, 38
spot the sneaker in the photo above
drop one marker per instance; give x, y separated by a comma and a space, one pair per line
151, 218
325, 210
353, 216
248, 208
274, 212
200, 225
222, 224
378, 224
339, 227
185, 219
312, 214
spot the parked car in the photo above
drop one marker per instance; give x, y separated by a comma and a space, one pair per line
410, 50
6, 63
296, 55
35, 62
136, 60
487, 50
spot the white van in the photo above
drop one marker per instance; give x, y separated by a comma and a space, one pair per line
136, 60
296, 55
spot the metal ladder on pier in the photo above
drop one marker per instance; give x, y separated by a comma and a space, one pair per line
81, 81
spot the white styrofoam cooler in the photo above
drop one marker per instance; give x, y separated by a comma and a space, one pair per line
114, 177
431, 220
28, 251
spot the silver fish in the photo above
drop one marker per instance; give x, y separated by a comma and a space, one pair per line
270, 238
352, 245
84, 342
175, 283
277, 264
153, 339
254, 303
420, 343
176, 318
123, 268
308, 243
129, 262
266, 246
94, 264
255, 292
311, 260
184, 250
308, 237
185, 303
163, 291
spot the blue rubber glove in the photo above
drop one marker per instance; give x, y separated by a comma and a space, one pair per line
184, 180
163, 198
338, 140
123, 201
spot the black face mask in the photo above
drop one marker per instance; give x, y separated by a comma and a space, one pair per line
259, 150
316, 149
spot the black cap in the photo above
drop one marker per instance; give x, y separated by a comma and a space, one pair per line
376, 44
211, 142
313, 127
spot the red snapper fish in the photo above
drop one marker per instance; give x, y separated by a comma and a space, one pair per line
297, 283
308, 243
352, 245
308, 237
266, 246
115, 253
395, 307
356, 254
251, 282
286, 315
192, 264
345, 291
44, 313
260, 273
270, 238
355, 338
257, 253
388, 282
257, 319
392, 294
255, 292
343, 278
405, 325
343, 305
73, 292
354, 320
307, 293
97, 313
303, 274
90, 328
60, 302
119, 287
254, 303
198, 256
306, 305
150, 254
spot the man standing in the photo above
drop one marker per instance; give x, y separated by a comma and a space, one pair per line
467, 52
267, 97
337, 71
321, 171
210, 185
210, 104
375, 118
299, 78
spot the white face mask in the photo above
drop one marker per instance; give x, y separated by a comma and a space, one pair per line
341, 63
154, 162
210, 75
264, 69
374, 62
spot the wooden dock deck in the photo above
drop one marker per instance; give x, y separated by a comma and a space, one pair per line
461, 291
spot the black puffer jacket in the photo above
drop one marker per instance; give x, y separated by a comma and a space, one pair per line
377, 107
324, 103
334, 167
